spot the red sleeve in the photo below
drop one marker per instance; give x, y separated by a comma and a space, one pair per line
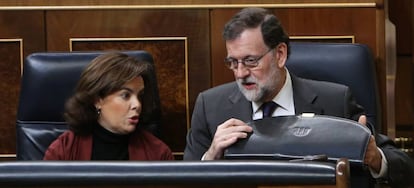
56, 150
68, 146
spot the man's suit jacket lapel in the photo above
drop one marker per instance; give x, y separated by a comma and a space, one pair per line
304, 98
241, 108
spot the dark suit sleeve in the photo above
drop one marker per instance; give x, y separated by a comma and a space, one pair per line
199, 137
400, 165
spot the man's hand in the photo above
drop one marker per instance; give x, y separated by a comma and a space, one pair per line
227, 134
373, 157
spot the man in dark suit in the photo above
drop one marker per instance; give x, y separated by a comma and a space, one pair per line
257, 50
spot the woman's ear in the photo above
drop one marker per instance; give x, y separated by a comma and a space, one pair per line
98, 103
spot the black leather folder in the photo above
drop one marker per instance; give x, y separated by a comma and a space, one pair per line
303, 137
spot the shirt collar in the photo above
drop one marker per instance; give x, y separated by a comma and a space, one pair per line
284, 98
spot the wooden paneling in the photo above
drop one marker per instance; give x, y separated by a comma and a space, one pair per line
405, 104
405, 91
184, 3
10, 57
26, 25
21, 33
192, 24
401, 13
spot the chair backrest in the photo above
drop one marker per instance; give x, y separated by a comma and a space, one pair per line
344, 63
48, 80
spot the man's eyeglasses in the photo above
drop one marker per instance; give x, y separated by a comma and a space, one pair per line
249, 62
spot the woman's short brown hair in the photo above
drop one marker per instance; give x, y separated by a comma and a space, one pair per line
106, 74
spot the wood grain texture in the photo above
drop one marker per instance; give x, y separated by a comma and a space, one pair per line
10, 80
21, 31
401, 13
168, 2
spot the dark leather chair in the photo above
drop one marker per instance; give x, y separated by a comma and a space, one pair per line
344, 63
48, 80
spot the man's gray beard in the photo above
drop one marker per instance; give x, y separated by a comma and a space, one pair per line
251, 95
264, 90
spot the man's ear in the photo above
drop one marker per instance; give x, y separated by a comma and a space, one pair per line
281, 54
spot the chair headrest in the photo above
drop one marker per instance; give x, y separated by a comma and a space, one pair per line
344, 63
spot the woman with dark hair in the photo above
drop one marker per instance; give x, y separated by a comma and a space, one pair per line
104, 115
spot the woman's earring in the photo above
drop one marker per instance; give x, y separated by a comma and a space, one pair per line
98, 111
